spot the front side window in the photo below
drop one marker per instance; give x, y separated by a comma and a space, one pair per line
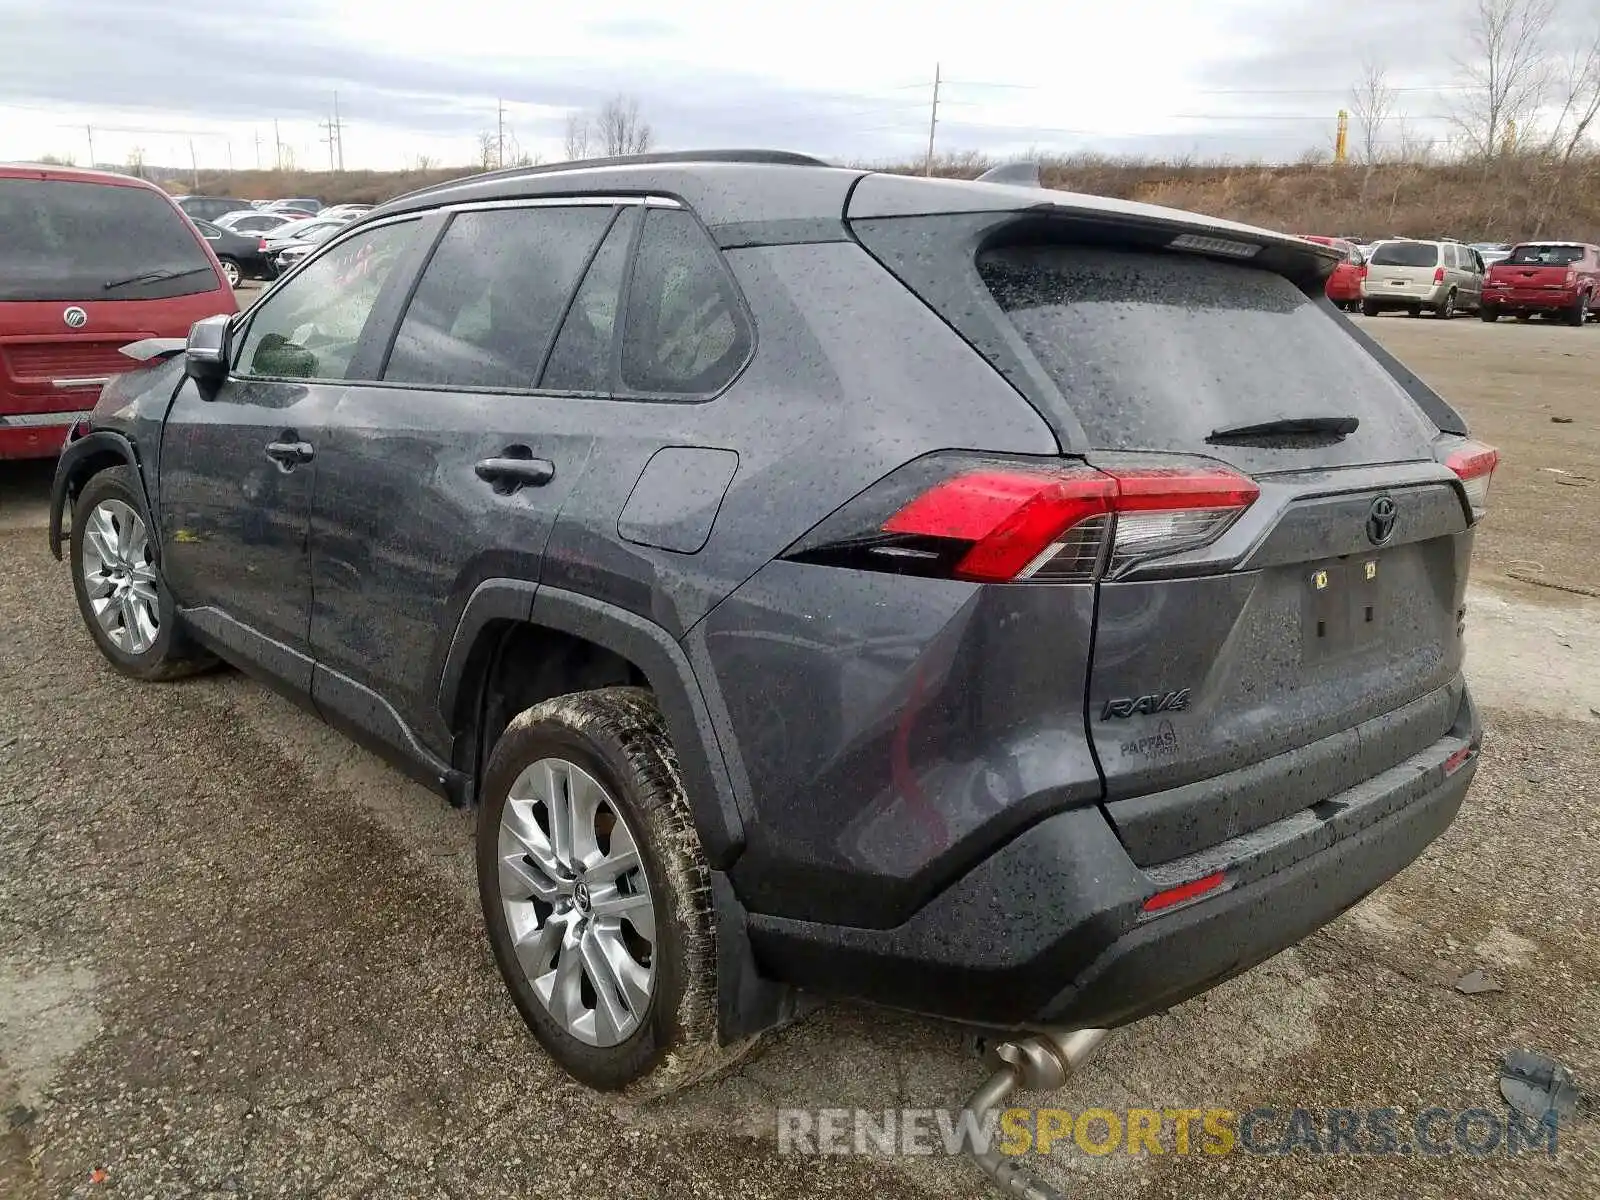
684, 333
491, 296
310, 327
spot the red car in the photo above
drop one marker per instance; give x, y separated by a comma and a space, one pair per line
89, 262
1555, 278
1344, 285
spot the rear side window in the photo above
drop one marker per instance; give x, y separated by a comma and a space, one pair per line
1156, 351
1545, 256
1405, 254
581, 360
62, 240
685, 333
491, 296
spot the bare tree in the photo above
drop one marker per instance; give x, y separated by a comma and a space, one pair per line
621, 129
488, 149
1506, 71
136, 162
425, 162
577, 140
1372, 104
1579, 84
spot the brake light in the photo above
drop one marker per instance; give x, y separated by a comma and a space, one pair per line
261, 244
1572, 277
1361, 271
1438, 274
1474, 464
1001, 523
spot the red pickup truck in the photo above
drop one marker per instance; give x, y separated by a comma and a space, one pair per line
1555, 278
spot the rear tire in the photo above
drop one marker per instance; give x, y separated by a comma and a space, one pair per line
1489, 314
1414, 311
613, 967
231, 272
1524, 317
121, 594
1369, 309
1578, 313
1447, 307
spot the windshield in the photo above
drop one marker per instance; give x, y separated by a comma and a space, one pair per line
1155, 351
1405, 254
63, 240
1544, 256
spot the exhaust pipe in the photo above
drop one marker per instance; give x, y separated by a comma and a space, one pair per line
1042, 1062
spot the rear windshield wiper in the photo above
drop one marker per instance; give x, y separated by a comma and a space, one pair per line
152, 277
1287, 428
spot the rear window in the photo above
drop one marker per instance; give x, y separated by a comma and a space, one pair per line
1405, 254
1154, 351
61, 240
1545, 256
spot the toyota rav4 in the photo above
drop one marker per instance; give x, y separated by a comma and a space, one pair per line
1019, 607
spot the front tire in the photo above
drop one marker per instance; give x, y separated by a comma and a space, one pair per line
596, 893
117, 581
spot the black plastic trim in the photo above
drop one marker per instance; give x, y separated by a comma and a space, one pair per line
740, 235
649, 647
72, 468
254, 653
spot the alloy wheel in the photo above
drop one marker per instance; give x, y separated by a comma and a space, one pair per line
119, 576
577, 904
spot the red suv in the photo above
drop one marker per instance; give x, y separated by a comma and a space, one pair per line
1556, 278
89, 262
1344, 285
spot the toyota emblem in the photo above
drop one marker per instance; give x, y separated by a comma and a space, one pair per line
1381, 519
75, 317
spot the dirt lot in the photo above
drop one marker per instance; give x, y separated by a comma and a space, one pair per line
239, 957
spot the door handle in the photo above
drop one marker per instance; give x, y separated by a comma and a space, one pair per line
509, 474
288, 455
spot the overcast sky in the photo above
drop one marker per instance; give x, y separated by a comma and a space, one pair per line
846, 79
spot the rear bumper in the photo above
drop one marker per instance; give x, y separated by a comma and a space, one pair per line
1050, 930
35, 436
1411, 296
1532, 299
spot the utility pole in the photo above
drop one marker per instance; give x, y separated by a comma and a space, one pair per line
89, 129
194, 168
338, 129
933, 121
258, 149
329, 138
230, 156
277, 163
500, 154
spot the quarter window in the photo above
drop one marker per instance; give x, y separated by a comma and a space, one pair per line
309, 328
684, 333
491, 296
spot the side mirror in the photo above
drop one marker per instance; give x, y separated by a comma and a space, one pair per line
207, 353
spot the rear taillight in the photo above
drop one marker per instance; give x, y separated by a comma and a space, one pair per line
1003, 523
1474, 465
1572, 277
1361, 271
261, 244
1438, 274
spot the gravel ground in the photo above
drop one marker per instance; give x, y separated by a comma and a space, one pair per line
240, 957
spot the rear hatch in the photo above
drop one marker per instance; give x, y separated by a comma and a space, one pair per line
1403, 269
1538, 268
1296, 628
85, 269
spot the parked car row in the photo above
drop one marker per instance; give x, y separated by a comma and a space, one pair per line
1445, 277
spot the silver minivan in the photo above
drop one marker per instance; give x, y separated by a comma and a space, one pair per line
1442, 277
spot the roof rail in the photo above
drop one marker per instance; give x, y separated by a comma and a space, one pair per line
785, 158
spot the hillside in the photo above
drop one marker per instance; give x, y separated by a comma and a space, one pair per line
1503, 200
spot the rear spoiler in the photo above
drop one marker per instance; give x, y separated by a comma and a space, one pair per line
153, 349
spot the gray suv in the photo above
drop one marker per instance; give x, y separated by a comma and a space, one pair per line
1018, 607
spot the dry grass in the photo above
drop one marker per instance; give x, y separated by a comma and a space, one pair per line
1526, 196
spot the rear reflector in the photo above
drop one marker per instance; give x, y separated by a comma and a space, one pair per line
1184, 892
1457, 760
1474, 464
